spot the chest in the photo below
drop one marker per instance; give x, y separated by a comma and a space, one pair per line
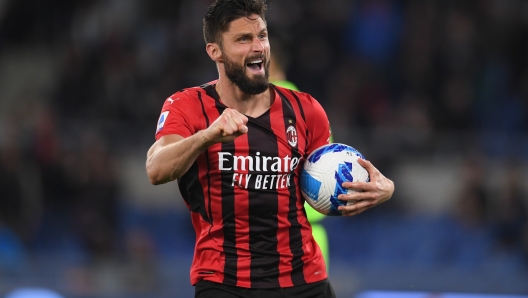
264, 149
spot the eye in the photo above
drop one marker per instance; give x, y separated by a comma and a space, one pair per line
243, 38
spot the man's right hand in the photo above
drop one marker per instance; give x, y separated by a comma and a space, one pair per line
172, 155
230, 125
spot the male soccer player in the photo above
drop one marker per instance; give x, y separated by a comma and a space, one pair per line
236, 146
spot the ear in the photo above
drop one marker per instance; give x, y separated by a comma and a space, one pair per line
214, 52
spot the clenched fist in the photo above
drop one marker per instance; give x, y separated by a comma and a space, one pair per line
230, 125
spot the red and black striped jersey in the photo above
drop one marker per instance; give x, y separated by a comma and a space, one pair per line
246, 207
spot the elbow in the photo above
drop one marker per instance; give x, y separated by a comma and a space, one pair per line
154, 180
158, 175
155, 176
391, 188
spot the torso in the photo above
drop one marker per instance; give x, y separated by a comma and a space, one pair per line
247, 210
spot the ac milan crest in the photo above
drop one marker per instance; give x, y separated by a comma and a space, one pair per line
291, 135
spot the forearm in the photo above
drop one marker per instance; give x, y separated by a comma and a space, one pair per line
172, 155
167, 162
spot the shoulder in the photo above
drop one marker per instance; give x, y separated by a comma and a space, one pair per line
187, 94
191, 94
291, 94
306, 102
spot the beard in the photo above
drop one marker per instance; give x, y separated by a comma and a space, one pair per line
237, 74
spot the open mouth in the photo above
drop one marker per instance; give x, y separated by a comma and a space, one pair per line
255, 65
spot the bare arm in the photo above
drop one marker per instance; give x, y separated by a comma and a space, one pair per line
172, 155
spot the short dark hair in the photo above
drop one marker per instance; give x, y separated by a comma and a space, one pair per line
222, 12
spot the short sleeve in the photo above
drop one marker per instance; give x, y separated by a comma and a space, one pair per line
318, 125
177, 116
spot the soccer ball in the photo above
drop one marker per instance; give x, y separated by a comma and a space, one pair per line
323, 172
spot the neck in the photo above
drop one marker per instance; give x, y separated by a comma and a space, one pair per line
247, 104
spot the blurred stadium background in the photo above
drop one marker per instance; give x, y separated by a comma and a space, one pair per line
435, 93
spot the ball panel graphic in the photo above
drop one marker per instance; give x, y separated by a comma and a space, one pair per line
324, 172
311, 185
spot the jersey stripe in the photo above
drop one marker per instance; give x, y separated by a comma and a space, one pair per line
284, 238
189, 184
214, 188
263, 218
242, 215
296, 237
228, 213
207, 162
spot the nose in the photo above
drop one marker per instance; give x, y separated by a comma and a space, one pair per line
258, 45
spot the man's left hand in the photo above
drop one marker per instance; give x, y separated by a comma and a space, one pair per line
367, 194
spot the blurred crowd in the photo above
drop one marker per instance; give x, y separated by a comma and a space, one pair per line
83, 81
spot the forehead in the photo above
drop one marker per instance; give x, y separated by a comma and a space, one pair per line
253, 23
